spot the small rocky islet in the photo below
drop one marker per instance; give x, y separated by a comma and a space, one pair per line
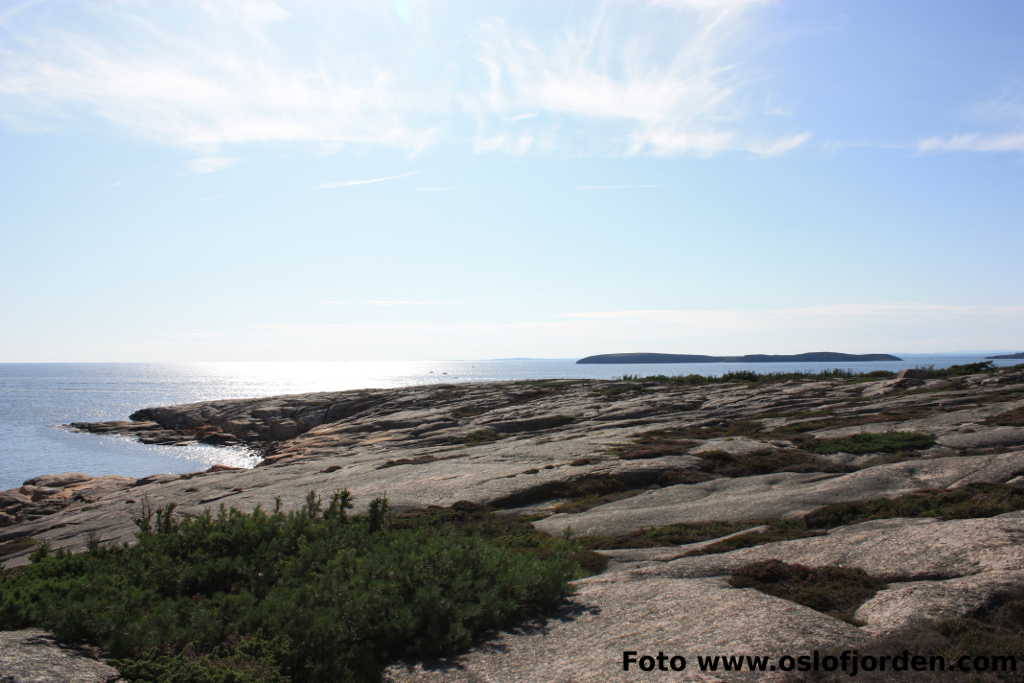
629, 467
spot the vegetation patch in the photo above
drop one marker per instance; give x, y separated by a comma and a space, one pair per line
532, 424
310, 595
418, 460
885, 442
587, 502
671, 534
965, 502
1012, 418
836, 591
749, 376
707, 430
836, 421
778, 530
481, 436
596, 489
995, 633
646, 450
931, 372
973, 500
471, 410
766, 461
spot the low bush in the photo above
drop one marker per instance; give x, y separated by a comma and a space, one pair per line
309, 595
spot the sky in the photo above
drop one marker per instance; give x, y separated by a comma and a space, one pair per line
460, 179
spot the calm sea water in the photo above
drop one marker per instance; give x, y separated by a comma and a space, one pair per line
35, 398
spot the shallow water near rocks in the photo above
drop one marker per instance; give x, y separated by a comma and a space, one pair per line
36, 398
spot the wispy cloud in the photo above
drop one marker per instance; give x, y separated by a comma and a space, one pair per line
707, 5
210, 164
670, 91
974, 142
16, 9
363, 181
1005, 111
625, 78
598, 188
779, 146
410, 302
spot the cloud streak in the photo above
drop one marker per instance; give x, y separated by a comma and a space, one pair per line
205, 165
364, 181
974, 142
613, 188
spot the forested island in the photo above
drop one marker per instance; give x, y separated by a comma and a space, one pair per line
1007, 356
814, 357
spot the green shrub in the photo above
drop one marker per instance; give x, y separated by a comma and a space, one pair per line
309, 595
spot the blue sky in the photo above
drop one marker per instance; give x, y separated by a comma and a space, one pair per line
421, 179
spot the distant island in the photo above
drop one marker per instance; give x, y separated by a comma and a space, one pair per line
1007, 356
815, 357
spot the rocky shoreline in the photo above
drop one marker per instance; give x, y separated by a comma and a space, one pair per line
614, 459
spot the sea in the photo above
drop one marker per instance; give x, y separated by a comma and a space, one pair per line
36, 399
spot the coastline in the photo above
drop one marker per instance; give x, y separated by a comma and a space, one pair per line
611, 459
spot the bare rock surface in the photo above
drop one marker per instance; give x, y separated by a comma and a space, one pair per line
33, 656
628, 455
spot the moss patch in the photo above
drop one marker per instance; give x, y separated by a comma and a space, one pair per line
836, 591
